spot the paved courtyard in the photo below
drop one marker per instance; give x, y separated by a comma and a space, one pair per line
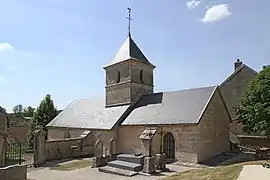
93, 173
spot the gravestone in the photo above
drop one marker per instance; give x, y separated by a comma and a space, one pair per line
112, 149
98, 148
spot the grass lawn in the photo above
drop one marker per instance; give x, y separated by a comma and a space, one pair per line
72, 165
230, 172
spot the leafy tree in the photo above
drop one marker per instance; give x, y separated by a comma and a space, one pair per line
44, 113
28, 112
254, 109
18, 110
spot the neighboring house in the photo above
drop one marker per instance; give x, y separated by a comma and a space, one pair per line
232, 90
182, 124
19, 127
3, 132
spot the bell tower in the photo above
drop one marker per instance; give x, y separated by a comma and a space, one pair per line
129, 75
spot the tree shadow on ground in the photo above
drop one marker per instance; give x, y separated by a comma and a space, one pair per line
230, 158
55, 163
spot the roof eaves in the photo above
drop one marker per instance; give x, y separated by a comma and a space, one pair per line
236, 72
207, 104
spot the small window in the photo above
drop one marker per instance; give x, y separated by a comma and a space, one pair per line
141, 75
118, 77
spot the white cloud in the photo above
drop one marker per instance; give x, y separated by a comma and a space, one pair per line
216, 13
4, 46
192, 4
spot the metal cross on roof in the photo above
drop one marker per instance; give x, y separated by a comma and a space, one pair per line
129, 19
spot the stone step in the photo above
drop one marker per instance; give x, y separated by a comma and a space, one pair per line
125, 165
117, 171
130, 158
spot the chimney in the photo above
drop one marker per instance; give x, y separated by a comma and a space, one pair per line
237, 64
265, 66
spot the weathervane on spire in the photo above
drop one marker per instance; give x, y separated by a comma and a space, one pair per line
129, 20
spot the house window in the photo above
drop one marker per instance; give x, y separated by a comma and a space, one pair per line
118, 77
141, 75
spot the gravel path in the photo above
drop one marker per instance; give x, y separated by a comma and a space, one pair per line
92, 173
251, 172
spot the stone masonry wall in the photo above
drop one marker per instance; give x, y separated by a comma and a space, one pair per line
232, 91
127, 90
62, 148
56, 140
14, 172
3, 131
214, 129
186, 140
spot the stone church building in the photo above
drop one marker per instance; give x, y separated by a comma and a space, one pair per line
188, 125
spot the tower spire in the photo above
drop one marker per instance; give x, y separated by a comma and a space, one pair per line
129, 20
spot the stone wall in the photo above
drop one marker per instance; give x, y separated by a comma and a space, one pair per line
67, 148
127, 89
254, 141
3, 136
233, 90
214, 129
186, 140
73, 147
14, 172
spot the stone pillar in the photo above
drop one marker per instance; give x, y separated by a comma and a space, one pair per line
3, 146
39, 147
149, 165
98, 148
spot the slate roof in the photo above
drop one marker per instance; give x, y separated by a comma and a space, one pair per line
88, 114
129, 50
236, 72
177, 107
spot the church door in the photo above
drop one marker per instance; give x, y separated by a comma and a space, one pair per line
169, 146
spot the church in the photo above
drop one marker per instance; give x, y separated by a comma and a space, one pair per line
187, 125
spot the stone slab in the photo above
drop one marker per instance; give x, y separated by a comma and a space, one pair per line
125, 165
117, 171
130, 158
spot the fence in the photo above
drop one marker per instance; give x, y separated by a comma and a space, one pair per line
18, 152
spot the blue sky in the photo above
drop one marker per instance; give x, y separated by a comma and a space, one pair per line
60, 46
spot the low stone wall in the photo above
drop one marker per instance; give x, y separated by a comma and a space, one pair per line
14, 172
254, 141
67, 148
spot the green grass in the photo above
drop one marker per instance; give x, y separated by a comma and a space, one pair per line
230, 172
72, 165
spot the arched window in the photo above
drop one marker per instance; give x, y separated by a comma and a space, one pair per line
118, 77
141, 75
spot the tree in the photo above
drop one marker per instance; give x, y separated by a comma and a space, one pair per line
44, 113
254, 109
18, 110
29, 111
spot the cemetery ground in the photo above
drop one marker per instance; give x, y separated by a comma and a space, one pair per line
80, 169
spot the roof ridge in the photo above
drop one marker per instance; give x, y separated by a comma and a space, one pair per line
203, 87
207, 103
